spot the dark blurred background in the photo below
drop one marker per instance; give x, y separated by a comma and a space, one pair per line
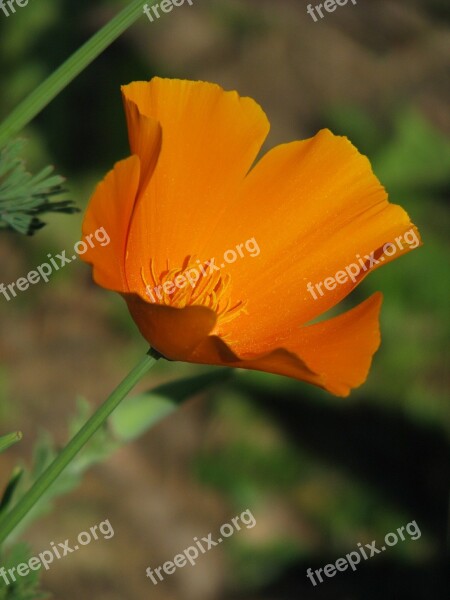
319, 474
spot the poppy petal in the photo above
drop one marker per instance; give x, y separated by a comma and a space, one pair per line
313, 207
210, 139
111, 207
173, 332
144, 134
335, 354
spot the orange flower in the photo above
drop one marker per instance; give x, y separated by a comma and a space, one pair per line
189, 193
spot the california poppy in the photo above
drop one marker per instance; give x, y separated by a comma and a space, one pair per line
190, 192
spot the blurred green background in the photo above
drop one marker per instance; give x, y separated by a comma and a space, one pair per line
319, 474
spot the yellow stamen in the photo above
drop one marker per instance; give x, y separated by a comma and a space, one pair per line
212, 290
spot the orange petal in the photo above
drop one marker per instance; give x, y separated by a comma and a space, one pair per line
334, 354
171, 331
210, 139
341, 348
145, 136
184, 335
111, 207
312, 207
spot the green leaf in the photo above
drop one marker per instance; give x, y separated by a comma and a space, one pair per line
140, 413
24, 197
8, 494
135, 416
24, 588
7, 441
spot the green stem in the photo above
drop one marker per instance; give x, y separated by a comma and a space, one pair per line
8, 440
10, 520
60, 78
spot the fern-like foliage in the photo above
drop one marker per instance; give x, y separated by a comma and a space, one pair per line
24, 197
23, 588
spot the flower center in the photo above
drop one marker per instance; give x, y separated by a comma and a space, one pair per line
193, 284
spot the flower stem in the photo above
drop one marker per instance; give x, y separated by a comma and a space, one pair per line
8, 440
10, 520
60, 78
